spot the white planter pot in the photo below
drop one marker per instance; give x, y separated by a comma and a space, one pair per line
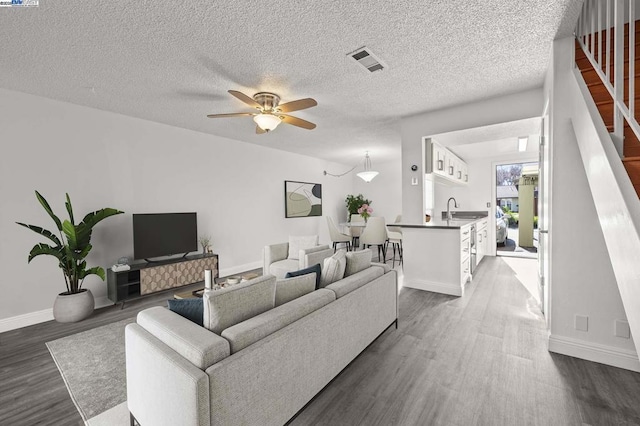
73, 307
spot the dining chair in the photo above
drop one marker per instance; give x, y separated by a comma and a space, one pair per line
394, 234
336, 236
356, 231
375, 234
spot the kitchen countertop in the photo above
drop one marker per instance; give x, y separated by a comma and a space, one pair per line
440, 223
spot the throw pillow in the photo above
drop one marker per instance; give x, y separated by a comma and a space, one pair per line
300, 243
294, 287
310, 270
333, 268
191, 309
232, 305
357, 261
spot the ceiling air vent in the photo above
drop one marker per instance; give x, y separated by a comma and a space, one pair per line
367, 59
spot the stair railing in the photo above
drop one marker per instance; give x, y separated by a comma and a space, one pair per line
598, 20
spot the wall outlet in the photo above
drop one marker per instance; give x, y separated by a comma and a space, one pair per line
489, 205
581, 323
621, 329
414, 181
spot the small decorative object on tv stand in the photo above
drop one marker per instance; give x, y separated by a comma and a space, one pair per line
149, 278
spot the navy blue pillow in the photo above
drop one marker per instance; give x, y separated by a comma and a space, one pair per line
310, 270
191, 309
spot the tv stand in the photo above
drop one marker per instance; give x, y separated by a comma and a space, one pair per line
149, 278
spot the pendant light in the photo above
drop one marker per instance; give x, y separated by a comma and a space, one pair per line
367, 175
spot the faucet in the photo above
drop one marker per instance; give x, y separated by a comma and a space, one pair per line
455, 204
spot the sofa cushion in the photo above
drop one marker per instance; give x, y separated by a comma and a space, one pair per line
355, 281
333, 268
357, 261
191, 309
229, 306
310, 270
197, 344
254, 329
298, 243
291, 288
280, 268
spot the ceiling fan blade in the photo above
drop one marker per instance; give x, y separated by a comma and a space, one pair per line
297, 105
233, 114
246, 99
289, 119
260, 130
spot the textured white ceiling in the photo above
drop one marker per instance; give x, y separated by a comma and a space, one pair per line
173, 61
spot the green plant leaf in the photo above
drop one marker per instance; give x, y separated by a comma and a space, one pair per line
40, 249
91, 219
72, 236
96, 270
47, 208
67, 204
82, 254
48, 234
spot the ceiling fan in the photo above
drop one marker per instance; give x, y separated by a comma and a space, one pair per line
270, 112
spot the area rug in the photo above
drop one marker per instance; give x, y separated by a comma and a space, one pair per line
92, 365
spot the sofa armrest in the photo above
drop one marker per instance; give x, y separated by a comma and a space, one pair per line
163, 388
273, 253
310, 257
198, 345
386, 268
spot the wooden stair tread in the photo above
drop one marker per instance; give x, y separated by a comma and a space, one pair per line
630, 159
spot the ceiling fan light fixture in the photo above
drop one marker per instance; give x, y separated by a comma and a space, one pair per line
367, 175
267, 121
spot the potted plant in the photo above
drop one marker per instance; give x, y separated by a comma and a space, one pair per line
70, 248
354, 203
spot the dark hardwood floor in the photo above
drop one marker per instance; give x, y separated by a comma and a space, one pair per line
476, 360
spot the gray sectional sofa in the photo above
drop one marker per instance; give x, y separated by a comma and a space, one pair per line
261, 370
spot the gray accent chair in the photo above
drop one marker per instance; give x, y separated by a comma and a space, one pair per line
277, 263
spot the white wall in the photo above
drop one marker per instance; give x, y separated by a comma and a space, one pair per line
384, 191
582, 281
108, 160
503, 109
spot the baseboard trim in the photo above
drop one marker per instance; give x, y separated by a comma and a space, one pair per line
240, 268
434, 286
595, 352
102, 301
25, 320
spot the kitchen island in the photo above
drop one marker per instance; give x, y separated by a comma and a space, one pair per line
441, 255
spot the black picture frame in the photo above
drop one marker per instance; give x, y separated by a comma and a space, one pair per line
302, 199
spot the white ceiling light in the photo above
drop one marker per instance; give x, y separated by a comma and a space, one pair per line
267, 121
367, 175
522, 143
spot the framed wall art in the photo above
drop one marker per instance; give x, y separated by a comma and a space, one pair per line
302, 199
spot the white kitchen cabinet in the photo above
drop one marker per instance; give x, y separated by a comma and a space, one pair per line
444, 163
438, 160
482, 239
436, 257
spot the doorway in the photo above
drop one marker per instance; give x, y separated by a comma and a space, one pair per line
517, 209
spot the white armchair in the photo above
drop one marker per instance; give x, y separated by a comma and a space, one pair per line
278, 261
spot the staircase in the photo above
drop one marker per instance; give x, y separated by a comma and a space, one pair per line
604, 100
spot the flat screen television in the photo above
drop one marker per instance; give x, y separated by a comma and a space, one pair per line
164, 234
